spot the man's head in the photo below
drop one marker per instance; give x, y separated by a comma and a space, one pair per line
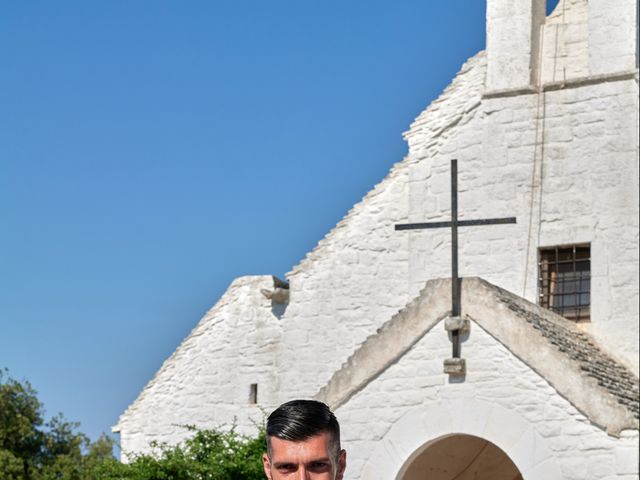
303, 442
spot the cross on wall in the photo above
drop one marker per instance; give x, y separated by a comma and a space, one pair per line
455, 365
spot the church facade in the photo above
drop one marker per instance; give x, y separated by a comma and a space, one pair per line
544, 127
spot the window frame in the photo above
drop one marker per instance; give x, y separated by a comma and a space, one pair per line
570, 296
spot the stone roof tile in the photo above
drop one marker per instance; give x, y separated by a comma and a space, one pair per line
580, 347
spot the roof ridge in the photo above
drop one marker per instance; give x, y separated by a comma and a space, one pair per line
458, 83
602, 389
395, 170
582, 348
343, 385
611, 377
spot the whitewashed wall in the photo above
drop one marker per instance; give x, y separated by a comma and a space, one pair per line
564, 161
206, 381
501, 400
613, 36
565, 42
353, 281
586, 151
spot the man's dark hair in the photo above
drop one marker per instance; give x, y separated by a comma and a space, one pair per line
299, 420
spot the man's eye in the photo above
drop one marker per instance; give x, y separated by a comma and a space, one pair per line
286, 467
319, 467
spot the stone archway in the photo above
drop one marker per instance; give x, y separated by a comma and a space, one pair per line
423, 426
460, 457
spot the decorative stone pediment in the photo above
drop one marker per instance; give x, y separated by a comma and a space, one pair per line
566, 357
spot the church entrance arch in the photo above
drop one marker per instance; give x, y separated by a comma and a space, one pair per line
460, 457
461, 421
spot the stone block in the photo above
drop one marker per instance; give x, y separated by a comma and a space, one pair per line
455, 367
452, 324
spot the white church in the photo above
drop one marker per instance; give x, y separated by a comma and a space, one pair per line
536, 376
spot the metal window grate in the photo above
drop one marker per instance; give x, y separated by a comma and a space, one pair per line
564, 281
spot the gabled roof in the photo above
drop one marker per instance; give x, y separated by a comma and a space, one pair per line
605, 391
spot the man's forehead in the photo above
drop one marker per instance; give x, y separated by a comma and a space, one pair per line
313, 448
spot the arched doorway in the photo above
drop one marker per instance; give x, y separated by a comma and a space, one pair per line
424, 426
460, 457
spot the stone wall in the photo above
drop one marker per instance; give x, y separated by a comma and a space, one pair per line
563, 160
206, 381
501, 400
613, 36
583, 38
360, 274
565, 42
351, 283
513, 42
580, 38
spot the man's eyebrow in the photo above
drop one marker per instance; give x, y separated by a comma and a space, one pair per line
313, 460
283, 464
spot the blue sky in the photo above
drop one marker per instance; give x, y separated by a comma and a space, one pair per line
152, 151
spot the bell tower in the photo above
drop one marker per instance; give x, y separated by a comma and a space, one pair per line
513, 43
613, 36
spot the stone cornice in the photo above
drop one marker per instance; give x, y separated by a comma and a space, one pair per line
563, 85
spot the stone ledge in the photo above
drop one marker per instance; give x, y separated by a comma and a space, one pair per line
569, 83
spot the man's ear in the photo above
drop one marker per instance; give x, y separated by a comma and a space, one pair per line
342, 465
267, 465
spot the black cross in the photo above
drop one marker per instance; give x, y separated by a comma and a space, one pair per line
454, 224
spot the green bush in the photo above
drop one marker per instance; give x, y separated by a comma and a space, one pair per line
208, 455
31, 449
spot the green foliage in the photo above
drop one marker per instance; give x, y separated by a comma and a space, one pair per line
31, 449
20, 419
11, 467
208, 455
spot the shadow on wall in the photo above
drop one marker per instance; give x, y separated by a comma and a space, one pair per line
278, 309
461, 457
